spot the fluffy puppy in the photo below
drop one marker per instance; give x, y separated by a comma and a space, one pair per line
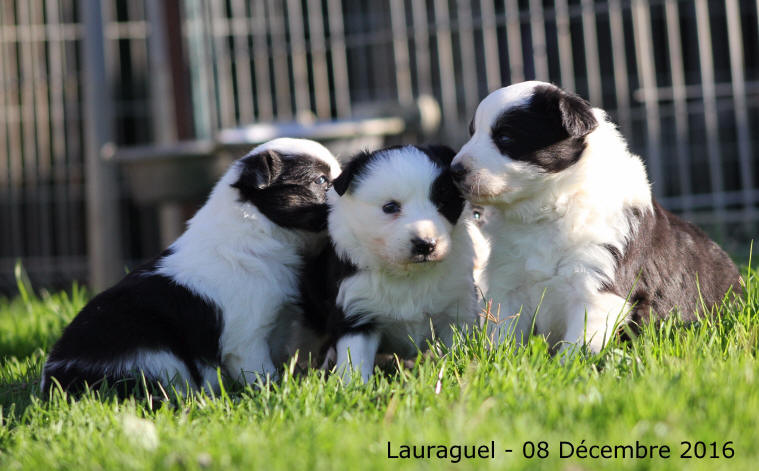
399, 269
215, 295
578, 234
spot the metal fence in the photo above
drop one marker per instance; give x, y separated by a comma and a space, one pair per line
680, 77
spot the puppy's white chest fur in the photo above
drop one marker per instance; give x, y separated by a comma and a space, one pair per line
408, 309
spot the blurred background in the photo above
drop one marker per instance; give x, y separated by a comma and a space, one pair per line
117, 116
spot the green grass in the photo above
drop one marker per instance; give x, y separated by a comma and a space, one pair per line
673, 383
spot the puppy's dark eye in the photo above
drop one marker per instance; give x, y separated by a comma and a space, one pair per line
391, 207
502, 140
321, 180
477, 215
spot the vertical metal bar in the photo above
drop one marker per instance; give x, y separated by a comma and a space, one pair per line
595, 90
679, 98
41, 127
339, 59
564, 35
282, 83
30, 156
468, 58
138, 53
422, 47
104, 234
400, 52
261, 62
319, 58
359, 38
222, 60
202, 84
55, 77
4, 162
514, 41
73, 125
13, 118
161, 98
538, 33
171, 221
735, 42
647, 77
41, 106
490, 45
298, 55
445, 65
377, 53
710, 105
242, 59
619, 60
112, 55
208, 68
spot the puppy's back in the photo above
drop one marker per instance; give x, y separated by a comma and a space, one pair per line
670, 263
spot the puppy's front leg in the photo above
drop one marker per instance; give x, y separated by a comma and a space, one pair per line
357, 351
594, 323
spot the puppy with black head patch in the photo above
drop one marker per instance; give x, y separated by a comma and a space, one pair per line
213, 298
400, 266
578, 237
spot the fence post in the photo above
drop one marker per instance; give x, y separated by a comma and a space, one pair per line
102, 191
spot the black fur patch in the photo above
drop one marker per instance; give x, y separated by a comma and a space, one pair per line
353, 171
144, 312
285, 189
444, 192
440, 154
548, 132
446, 196
319, 284
670, 259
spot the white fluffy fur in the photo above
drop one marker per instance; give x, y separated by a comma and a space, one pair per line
234, 256
404, 298
547, 239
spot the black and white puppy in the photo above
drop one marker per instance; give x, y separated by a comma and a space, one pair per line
399, 269
211, 299
578, 229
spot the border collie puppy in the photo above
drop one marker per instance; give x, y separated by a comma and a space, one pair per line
211, 299
578, 237
399, 269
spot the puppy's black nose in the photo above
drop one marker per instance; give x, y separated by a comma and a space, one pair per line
458, 171
421, 246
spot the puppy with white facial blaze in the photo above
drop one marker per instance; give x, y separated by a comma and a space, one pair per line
578, 237
399, 269
214, 297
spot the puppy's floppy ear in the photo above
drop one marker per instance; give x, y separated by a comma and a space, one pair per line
576, 115
342, 182
350, 171
259, 170
439, 153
